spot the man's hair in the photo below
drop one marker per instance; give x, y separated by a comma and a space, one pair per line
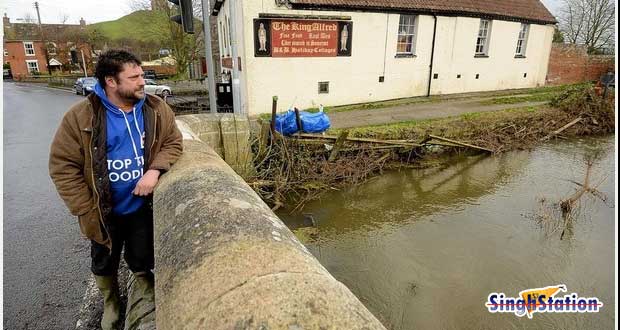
111, 62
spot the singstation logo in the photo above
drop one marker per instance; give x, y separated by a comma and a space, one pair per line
542, 300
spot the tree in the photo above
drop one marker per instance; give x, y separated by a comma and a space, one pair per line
589, 23
558, 36
186, 48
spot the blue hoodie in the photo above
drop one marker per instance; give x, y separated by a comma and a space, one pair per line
125, 153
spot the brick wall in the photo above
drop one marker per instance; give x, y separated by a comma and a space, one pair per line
569, 64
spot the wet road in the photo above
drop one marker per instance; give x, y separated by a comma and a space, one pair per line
46, 263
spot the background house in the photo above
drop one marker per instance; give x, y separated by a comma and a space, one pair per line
25, 47
332, 52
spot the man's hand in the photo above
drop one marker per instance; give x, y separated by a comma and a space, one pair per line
145, 185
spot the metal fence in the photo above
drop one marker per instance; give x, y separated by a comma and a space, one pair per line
193, 105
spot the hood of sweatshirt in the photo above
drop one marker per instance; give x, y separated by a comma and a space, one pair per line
108, 105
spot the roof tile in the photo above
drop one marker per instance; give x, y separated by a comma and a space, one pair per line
527, 10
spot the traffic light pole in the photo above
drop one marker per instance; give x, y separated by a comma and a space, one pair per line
235, 58
206, 25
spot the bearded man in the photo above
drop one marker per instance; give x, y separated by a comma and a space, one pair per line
105, 160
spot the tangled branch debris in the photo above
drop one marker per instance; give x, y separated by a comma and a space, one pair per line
291, 169
297, 169
560, 216
513, 129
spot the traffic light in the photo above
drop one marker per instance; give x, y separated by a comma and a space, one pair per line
186, 19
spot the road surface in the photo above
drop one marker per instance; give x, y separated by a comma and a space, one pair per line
46, 262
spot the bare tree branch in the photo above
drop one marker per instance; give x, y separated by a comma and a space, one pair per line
589, 23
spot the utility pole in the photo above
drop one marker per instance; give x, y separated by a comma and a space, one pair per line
206, 24
235, 57
47, 59
83, 63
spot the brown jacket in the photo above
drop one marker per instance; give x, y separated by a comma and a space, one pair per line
78, 159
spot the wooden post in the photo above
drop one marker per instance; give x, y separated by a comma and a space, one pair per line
263, 139
300, 128
274, 108
338, 145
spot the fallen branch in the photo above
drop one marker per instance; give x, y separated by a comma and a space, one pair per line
460, 143
567, 204
331, 137
563, 128
261, 183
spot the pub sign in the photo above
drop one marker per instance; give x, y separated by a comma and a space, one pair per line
302, 38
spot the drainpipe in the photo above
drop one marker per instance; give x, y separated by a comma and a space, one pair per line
430, 71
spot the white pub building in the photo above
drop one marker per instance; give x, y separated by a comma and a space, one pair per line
335, 52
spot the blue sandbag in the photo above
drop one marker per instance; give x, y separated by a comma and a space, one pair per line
286, 123
317, 122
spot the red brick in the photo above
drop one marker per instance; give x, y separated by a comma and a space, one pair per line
569, 64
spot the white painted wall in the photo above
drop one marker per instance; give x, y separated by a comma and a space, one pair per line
454, 54
355, 79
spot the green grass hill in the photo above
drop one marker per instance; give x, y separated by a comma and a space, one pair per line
143, 25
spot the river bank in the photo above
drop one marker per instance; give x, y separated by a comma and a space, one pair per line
292, 170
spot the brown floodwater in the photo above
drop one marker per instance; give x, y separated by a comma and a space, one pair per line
423, 249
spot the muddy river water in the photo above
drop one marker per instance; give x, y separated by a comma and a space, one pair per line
423, 249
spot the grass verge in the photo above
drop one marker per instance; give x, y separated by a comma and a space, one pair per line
513, 96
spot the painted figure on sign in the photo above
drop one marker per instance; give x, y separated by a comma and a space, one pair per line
344, 36
262, 38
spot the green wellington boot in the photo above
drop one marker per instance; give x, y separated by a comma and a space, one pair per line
144, 287
140, 301
108, 285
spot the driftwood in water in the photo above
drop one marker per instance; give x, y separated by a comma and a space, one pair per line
559, 217
567, 204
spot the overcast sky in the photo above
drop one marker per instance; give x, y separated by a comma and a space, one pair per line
94, 11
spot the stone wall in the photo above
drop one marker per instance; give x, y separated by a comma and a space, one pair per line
59, 81
180, 87
224, 260
569, 64
227, 134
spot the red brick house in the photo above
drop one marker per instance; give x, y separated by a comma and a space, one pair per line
24, 50
24, 57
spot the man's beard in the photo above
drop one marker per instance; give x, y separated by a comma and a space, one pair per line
133, 95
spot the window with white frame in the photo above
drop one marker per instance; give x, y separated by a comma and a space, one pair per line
220, 32
29, 48
226, 36
482, 43
229, 35
33, 66
522, 41
406, 35
6, 52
